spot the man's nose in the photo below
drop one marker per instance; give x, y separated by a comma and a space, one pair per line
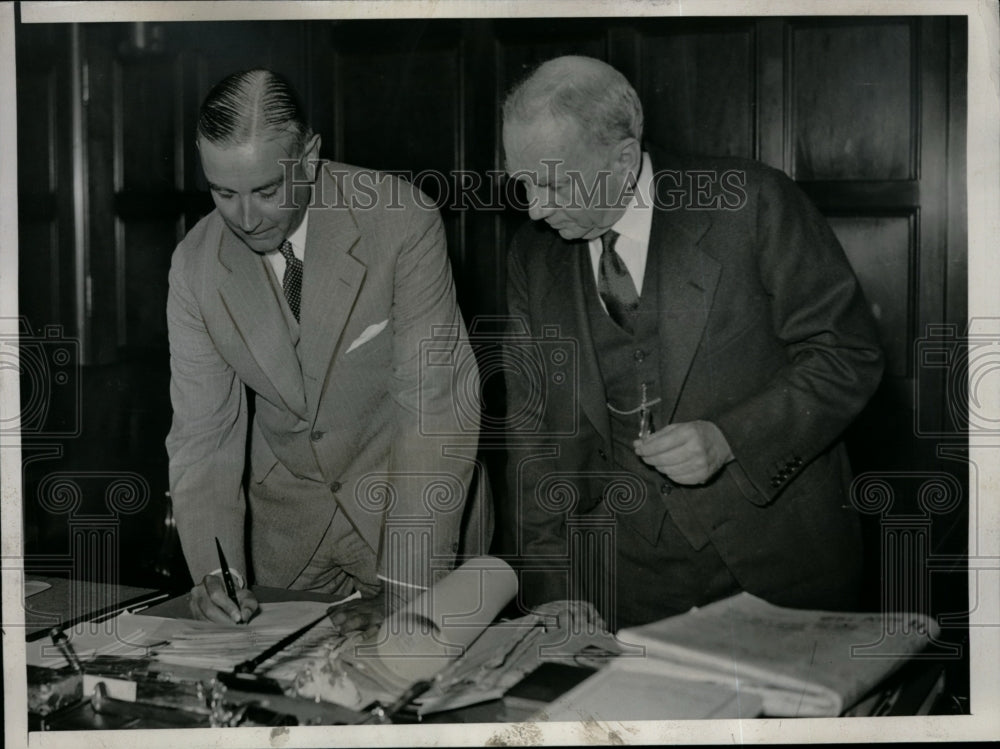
249, 217
538, 206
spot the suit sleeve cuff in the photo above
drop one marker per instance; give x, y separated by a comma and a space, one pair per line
746, 486
401, 584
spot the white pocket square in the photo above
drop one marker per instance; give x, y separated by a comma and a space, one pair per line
367, 334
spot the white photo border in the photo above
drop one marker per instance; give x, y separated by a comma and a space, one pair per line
983, 180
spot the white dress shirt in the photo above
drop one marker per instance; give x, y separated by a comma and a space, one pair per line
633, 229
298, 240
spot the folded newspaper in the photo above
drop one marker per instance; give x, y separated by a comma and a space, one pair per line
799, 662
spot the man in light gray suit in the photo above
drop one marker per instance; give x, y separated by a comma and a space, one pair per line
325, 291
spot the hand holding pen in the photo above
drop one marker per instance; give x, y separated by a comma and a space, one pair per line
217, 598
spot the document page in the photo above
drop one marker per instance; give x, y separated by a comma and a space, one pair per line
802, 662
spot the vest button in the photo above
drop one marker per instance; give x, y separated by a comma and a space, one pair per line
666, 488
604, 455
316, 436
335, 486
639, 354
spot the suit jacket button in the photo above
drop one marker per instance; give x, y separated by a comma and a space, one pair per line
335, 486
666, 488
316, 436
604, 455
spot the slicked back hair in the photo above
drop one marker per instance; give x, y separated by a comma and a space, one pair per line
584, 90
250, 104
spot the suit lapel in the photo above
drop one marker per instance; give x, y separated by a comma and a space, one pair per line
566, 268
258, 317
687, 278
331, 279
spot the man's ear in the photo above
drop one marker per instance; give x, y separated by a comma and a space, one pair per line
629, 157
310, 155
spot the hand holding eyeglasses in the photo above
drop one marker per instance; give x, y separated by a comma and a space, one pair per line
687, 453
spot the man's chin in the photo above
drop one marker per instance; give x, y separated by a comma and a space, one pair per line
569, 232
260, 245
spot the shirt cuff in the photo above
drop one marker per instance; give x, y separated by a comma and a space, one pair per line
401, 584
237, 577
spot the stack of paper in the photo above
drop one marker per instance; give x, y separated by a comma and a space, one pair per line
801, 663
435, 630
31, 587
221, 646
635, 689
198, 644
125, 636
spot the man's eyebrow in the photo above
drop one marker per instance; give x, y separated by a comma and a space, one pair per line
273, 183
521, 175
268, 185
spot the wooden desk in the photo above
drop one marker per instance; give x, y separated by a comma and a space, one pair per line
177, 607
68, 602
912, 684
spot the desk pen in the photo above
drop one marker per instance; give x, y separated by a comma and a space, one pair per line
60, 640
227, 579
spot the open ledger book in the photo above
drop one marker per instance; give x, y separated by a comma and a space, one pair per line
799, 662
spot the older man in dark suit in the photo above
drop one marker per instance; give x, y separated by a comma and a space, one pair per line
326, 291
722, 345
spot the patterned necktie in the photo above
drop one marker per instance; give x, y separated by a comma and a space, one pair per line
615, 284
292, 282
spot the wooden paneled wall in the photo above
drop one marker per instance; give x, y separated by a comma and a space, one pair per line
867, 114
45, 175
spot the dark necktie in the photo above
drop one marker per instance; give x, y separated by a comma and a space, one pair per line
292, 282
615, 284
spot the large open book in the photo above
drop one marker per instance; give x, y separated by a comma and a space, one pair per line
801, 663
